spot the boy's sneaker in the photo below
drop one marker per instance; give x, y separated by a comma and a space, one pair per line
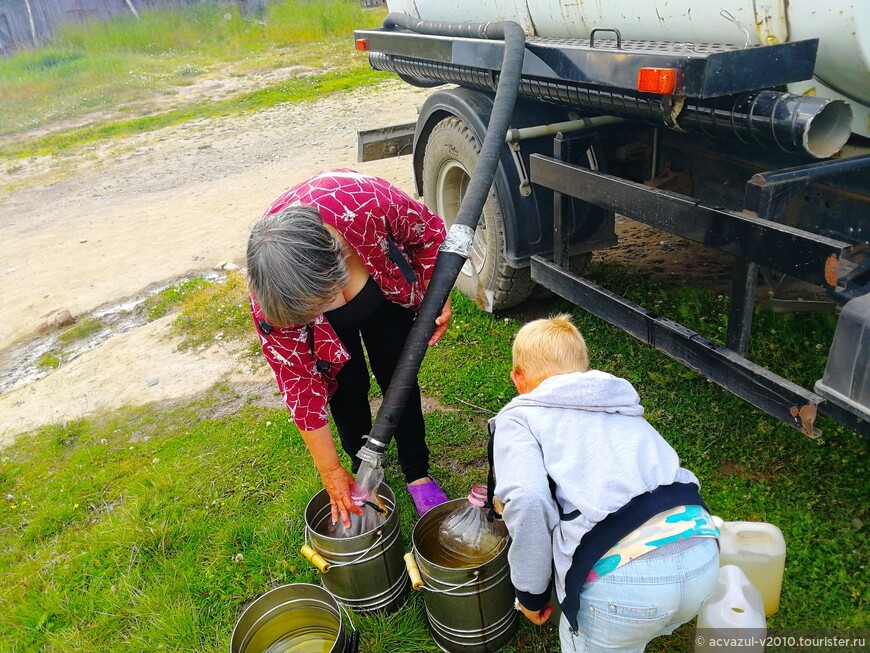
426, 496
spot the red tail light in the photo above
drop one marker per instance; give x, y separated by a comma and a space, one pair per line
657, 80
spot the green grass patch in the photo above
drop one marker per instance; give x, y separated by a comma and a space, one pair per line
160, 303
216, 311
82, 329
301, 89
793, 345
50, 360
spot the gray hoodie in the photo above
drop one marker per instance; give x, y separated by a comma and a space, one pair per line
585, 434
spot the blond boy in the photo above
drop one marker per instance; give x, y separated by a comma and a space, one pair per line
595, 501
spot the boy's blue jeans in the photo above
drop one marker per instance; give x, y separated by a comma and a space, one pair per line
650, 596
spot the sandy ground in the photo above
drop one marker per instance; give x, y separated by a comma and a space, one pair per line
81, 231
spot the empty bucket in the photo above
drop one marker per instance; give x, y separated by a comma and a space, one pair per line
470, 610
365, 572
298, 618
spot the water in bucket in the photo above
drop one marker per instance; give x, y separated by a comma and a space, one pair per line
297, 618
310, 631
466, 537
374, 513
366, 572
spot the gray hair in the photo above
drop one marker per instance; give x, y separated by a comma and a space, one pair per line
295, 265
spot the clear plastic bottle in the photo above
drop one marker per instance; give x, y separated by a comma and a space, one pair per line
467, 537
373, 515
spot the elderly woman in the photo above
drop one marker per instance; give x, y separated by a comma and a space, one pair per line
339, 261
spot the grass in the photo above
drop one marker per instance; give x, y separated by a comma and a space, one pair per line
160, 303
99, 79
50, 360
85, 328
149, 528
216, 312
81, 330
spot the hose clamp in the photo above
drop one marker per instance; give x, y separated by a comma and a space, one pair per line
372, 457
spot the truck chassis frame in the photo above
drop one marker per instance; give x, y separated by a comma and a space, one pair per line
755, 241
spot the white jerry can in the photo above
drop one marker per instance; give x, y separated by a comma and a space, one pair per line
758, 548
734, 612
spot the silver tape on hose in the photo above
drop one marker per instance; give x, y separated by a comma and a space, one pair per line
458, 241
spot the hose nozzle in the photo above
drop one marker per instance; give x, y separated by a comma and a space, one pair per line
371, 470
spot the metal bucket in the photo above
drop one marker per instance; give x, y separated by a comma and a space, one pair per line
301, 618
365, 572
470, 610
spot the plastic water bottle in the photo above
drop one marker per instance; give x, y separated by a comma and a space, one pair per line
735, 610
373, 515
466, 535
758, 549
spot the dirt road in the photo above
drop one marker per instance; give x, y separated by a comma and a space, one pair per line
82, 231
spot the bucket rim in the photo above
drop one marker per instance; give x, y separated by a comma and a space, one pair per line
390, 500
431, 516
329, 600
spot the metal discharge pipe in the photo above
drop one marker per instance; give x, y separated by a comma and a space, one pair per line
796, 124
457, 246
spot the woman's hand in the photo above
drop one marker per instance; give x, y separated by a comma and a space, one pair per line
336, 479
537, 617
337, 482
442, 321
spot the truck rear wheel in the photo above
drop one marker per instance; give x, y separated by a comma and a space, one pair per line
452, 151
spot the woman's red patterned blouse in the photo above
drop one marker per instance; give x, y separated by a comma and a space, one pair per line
367, 211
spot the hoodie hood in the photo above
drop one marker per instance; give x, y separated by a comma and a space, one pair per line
594, 391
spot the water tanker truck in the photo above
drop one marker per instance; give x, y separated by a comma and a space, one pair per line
742, 125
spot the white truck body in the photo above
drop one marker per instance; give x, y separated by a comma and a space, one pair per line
842, 27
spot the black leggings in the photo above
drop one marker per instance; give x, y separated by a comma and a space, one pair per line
384, 327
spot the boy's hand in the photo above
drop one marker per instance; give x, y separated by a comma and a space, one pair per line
537, 617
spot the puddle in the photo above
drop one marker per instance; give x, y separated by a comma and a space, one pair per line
19, 363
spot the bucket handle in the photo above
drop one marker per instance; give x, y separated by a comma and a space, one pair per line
413, 571
315, 558
417, 579
324, 565
352, 645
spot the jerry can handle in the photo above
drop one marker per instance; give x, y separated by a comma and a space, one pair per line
413, 571
315, 558
753, 529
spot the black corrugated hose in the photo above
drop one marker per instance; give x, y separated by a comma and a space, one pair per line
457, 245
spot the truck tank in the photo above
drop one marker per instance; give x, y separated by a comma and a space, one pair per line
842, 27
